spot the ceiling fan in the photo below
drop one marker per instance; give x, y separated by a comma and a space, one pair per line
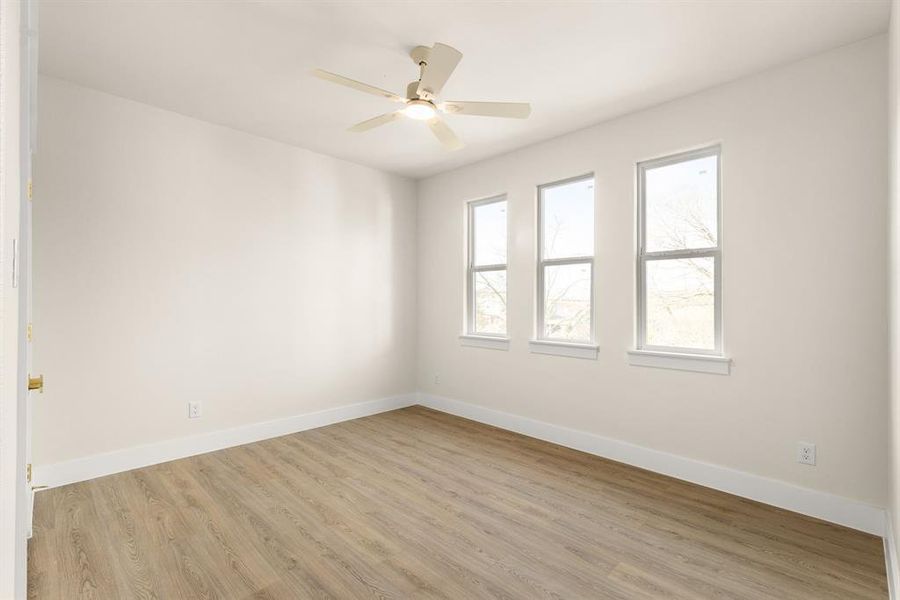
436, 64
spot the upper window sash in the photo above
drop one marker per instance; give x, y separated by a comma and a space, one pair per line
473, 258
542, 220
644, 248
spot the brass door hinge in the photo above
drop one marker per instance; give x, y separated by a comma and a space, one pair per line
30, 189
36, 383
28, 332
28, 479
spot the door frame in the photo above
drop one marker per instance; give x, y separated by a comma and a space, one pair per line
14, 490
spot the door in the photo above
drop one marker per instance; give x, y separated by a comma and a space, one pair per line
28, 141
17, 88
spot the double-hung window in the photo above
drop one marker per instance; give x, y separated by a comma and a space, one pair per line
679, 254
486, 272
565, 261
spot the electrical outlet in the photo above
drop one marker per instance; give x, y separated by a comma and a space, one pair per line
437, 379
194, 410
806, 453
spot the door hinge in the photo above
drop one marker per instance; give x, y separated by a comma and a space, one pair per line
28, 332
34, 488
30, 189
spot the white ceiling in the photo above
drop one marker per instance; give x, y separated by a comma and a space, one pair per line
246, 64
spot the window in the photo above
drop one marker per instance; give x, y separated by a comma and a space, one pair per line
486, 276
679, 254
566, 261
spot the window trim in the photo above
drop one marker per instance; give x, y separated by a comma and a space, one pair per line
574, 260
492, 342
643, 257
569, 349
472, 270
699, 363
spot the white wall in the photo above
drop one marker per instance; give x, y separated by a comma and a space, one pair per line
805, 253
177, 260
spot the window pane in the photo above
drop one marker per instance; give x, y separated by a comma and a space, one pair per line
567, 302
490, 302
489, 228
568, 219
681, 202
680, 303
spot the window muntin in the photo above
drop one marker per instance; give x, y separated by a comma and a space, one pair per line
679, 255
566, 260
486, 272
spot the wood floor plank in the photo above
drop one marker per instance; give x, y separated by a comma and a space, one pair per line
420, 504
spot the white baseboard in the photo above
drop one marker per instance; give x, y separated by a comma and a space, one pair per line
98, 465
890, 558
828, 507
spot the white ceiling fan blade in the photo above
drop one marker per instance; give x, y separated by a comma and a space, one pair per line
356, 85
376, 122
444, 134
442, 60
510, 110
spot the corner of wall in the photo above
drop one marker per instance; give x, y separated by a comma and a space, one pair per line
417, 363
893, 509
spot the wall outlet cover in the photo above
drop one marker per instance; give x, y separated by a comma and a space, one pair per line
194, 410
806, 453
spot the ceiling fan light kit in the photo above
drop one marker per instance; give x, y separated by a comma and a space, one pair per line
436, 64
420, 110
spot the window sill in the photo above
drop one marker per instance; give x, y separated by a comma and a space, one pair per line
700, 363
485, 341
569, 349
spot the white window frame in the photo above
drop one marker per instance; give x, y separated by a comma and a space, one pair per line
471, 336
643, 256
541, 340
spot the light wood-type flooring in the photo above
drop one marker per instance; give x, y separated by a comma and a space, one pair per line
419, 504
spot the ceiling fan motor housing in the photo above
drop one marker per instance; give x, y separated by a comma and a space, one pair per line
420, 54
